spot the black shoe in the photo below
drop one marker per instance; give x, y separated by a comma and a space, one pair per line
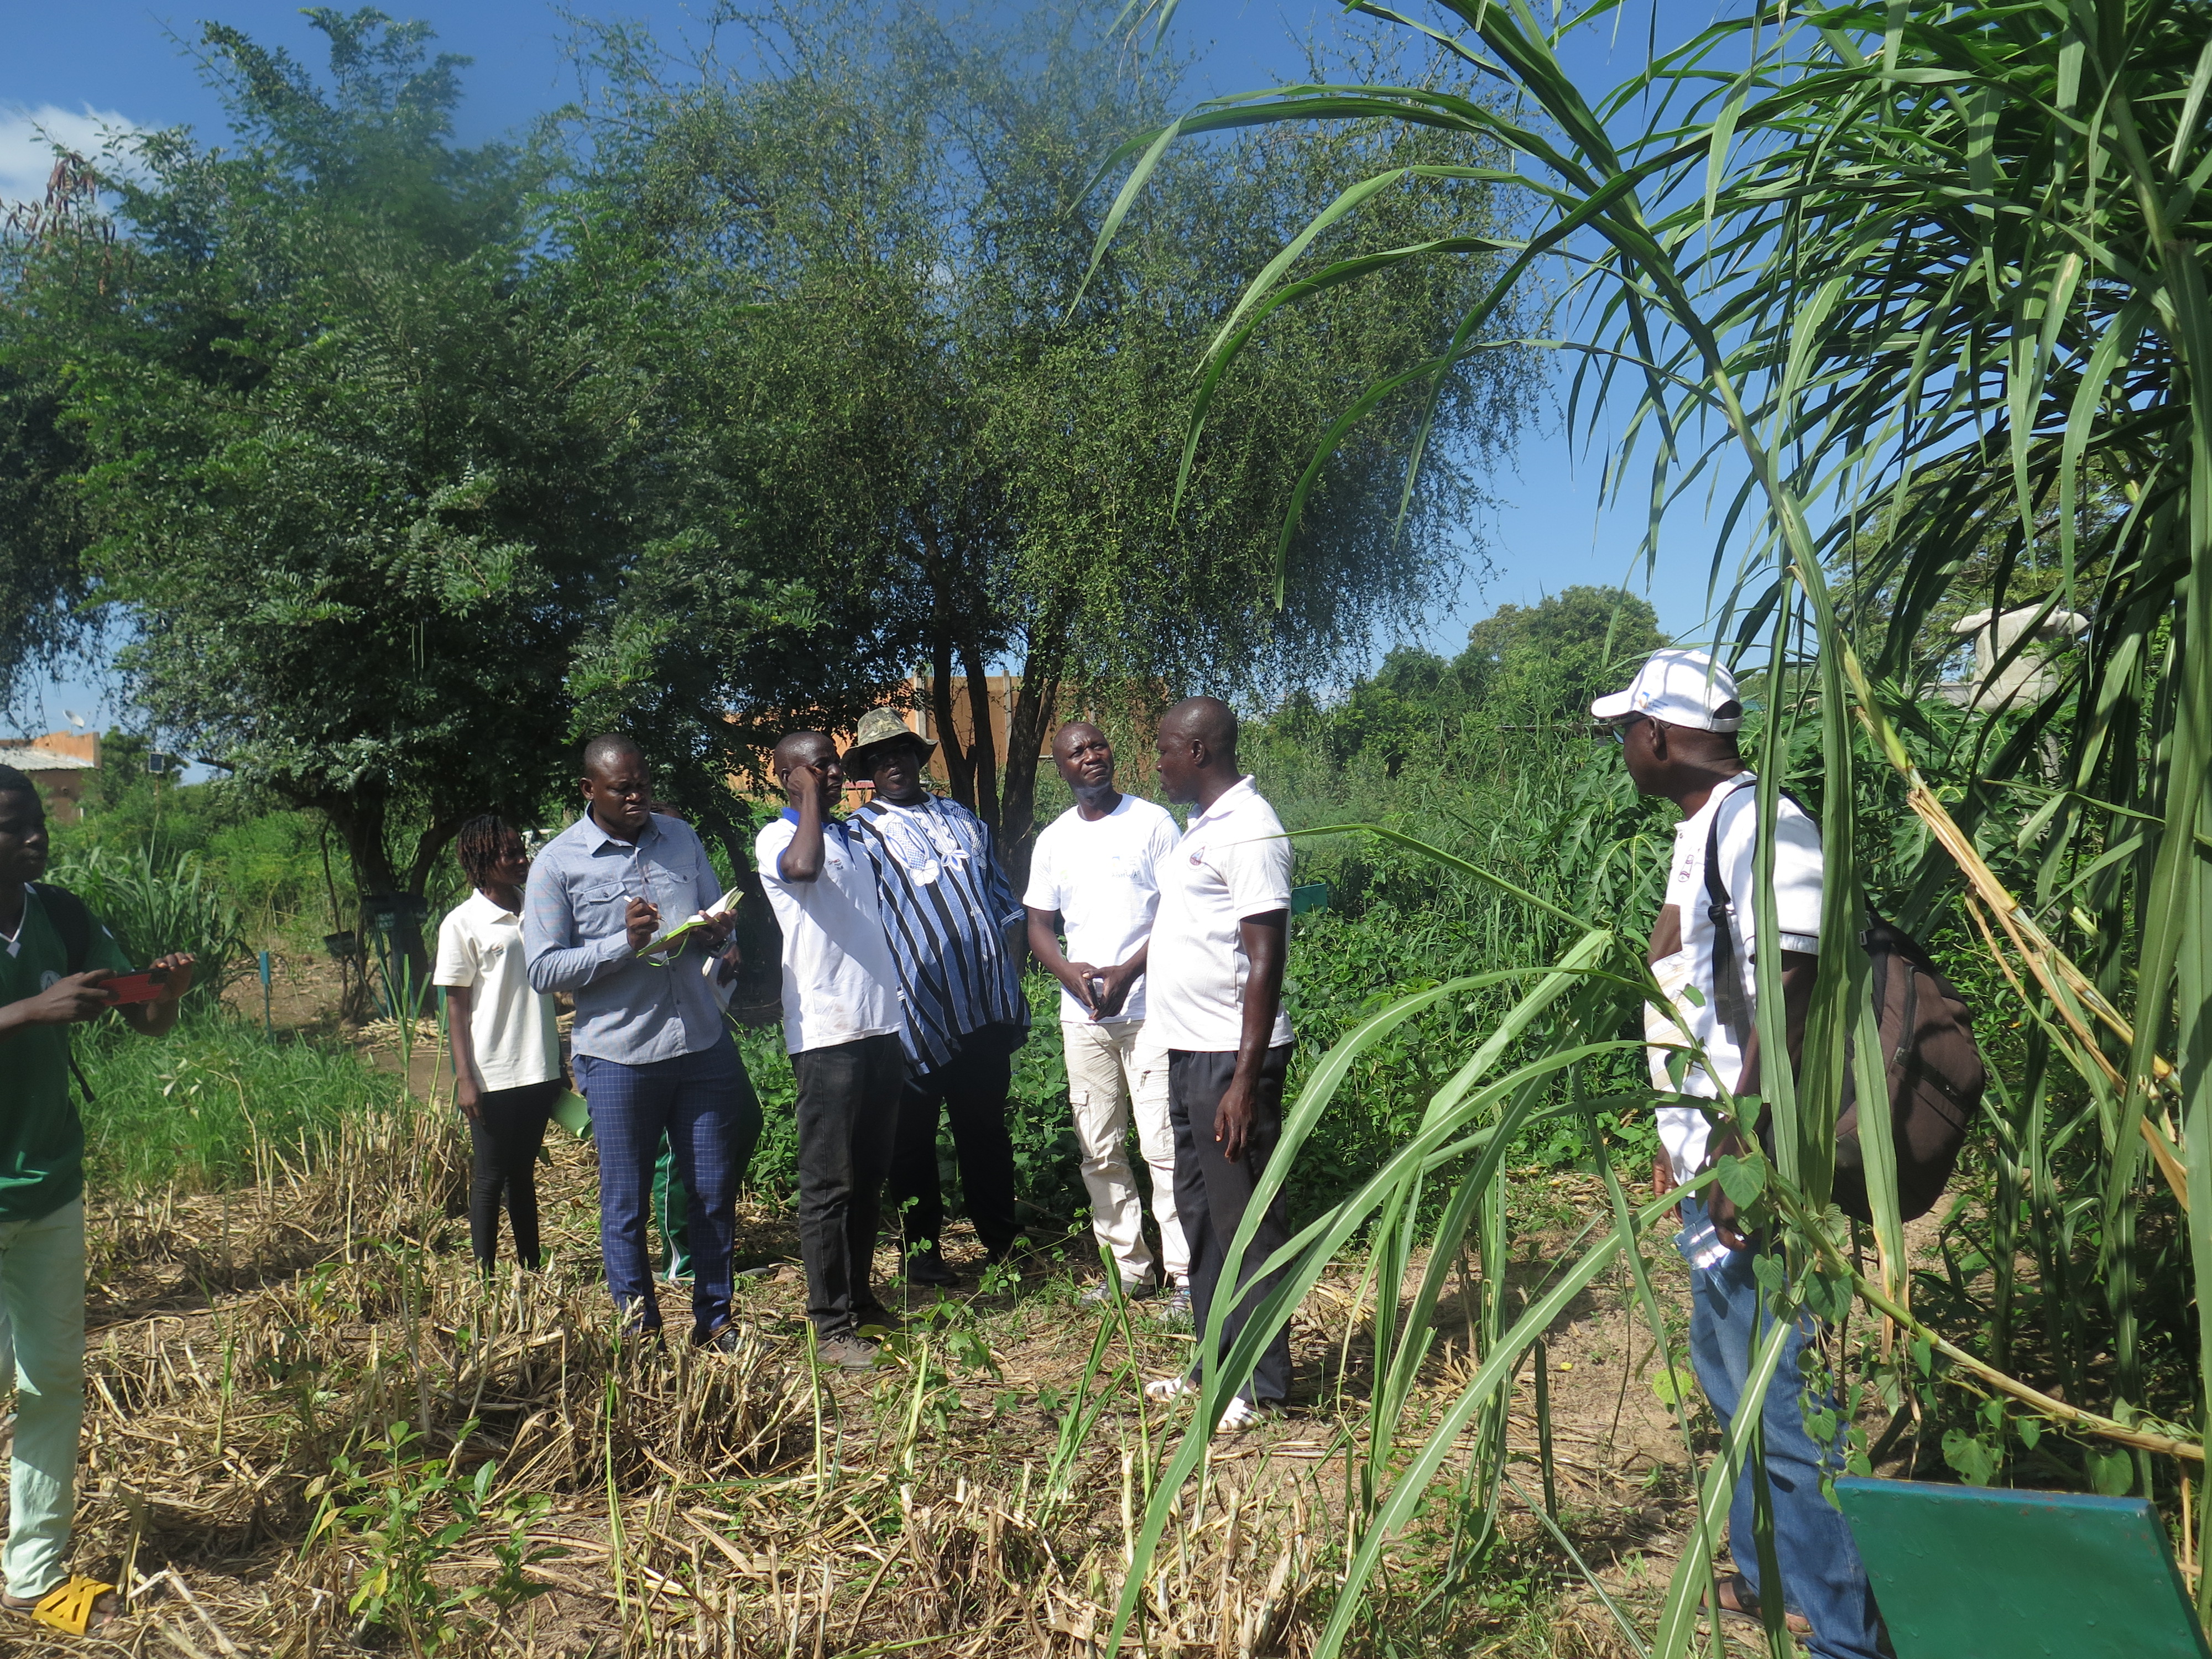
724, 1338
874, 1313
927, 1268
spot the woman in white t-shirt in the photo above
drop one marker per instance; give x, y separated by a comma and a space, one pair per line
506, 1051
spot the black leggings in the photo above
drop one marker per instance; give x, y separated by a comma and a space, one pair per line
505, 1135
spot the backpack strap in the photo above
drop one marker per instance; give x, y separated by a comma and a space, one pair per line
74, 923
1731, 1003
72, 920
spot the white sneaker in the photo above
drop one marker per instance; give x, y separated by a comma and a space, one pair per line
1241, 1415
1165, 1388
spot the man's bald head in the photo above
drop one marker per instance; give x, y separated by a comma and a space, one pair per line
802, 749
609, 750
1070, 736
617, 785
1207, 721
1197, 749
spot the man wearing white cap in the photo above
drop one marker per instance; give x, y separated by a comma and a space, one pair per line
1676, 723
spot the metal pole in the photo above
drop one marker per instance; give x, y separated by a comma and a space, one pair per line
265, 1026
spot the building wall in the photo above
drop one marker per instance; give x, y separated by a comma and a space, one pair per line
61, 785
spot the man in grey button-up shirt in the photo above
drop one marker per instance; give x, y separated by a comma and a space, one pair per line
652, 1055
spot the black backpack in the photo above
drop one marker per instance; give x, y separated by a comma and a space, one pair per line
1930, 1061
73, 922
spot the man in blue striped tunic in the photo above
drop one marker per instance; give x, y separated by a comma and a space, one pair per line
956, 934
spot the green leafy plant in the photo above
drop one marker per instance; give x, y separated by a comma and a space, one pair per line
154, 907
408, 1514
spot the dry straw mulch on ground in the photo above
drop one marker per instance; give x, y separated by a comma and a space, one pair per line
556, 1491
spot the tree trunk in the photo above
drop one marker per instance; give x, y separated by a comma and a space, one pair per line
361, 819
958, 771
982, 750
1037, 703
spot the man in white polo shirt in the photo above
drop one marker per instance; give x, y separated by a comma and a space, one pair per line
842, 1024
1095, 873
1215, 975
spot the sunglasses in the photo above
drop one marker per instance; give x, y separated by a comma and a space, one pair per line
1618, 730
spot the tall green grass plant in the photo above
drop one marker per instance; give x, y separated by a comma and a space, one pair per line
155, 907
208, 1106
1913, 295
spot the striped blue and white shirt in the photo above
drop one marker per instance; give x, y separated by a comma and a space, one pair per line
946, 904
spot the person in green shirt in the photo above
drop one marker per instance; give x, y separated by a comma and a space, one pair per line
42, 1202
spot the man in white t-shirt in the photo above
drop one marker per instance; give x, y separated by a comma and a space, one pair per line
1094, 875
1677, 723
1214, 972
842, 1024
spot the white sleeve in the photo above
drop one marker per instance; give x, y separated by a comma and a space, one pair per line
1165, 834
1043, 892
775, 834
1258, 875
457, 961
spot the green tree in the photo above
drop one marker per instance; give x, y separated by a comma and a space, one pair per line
1526, 667
44, 583
358, 474
1544, 663
878, 253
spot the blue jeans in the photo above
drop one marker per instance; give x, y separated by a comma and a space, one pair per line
1822, 1576
696, 1101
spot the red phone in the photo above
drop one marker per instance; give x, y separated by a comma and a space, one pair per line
148, 986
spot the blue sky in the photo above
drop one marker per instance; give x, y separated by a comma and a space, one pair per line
73, 64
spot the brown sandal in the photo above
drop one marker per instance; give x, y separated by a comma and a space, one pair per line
1740, 1600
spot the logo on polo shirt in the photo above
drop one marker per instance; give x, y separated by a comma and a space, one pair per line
47, 979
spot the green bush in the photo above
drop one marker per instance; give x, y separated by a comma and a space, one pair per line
154, 909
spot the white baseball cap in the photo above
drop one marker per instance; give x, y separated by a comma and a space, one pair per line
1681, 688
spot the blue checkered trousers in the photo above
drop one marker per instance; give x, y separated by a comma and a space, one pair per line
691, 1099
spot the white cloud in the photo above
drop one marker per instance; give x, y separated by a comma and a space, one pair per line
27, 137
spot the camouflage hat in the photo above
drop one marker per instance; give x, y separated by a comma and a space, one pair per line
881, 726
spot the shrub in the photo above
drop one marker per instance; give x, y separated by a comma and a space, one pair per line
192, 1107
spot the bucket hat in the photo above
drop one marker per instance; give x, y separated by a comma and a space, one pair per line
881, 726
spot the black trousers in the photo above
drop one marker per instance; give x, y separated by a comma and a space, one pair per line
504, 1137
970, 1089
1212, 1194
848, 1114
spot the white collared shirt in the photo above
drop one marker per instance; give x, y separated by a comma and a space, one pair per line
1232, 864
511, 1026
1102, 875
839, 982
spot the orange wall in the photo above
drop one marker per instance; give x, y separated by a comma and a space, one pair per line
63, 789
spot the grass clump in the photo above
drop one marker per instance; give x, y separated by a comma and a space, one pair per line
216, 1102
